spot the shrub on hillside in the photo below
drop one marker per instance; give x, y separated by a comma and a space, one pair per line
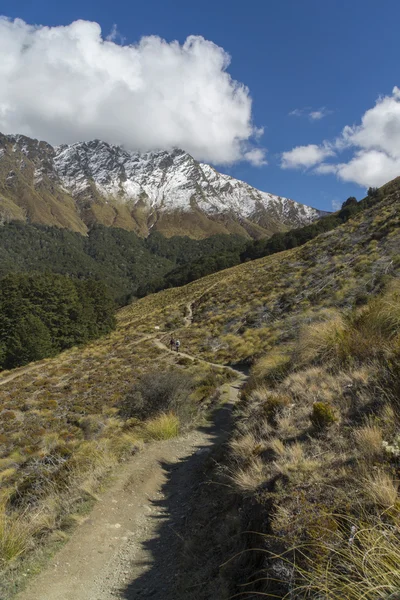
322, 415
156, 393
274, 405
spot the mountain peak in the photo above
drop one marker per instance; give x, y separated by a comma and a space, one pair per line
165, 189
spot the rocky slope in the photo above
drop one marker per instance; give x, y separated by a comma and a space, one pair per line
85, 183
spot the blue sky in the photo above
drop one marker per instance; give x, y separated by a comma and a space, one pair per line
326, 62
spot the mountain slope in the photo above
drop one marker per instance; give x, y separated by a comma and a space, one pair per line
246, 310
67, 409
82, 184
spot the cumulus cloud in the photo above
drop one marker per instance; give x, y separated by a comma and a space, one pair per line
256, 157
64, 84
304, 157
374, 145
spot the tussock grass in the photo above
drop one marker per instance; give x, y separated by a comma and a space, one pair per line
324, 343
332, 449
248, 479
363, 562
369, 441
164, 427
381, 488
16, 531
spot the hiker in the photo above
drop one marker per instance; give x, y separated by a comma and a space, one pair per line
177, 345
172, 343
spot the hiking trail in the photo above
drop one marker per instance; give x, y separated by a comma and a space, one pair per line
130, 546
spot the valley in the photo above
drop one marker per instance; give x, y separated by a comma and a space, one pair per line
307, 475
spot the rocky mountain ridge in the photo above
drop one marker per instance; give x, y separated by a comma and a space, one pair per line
78, 185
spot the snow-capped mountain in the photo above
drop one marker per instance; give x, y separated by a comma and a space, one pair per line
81, 184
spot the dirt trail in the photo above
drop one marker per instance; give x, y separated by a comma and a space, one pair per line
159, 344
18, 372
188, 318
130, 546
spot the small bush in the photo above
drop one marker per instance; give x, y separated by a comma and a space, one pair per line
156, 393
163, 427
322, 415
274, 405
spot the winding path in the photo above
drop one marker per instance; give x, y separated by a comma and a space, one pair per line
130, 547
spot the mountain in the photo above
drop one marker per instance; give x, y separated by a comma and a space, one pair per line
307, 461
79, 185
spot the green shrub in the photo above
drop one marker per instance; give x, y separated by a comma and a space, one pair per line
274, 405
322, 415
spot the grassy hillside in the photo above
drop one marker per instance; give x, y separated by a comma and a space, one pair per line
66, 422
320, 401
316, 454
242, 312
314, 460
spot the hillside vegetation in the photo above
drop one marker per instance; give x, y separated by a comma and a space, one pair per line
65, 424
314, 458
120, 259
278, 242
42, 314
313, 462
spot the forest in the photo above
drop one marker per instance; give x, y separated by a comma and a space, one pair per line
44, 313
119, 258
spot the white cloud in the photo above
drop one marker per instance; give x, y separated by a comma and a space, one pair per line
336, 205
369, 168
325, 169
313, 115
256, 157
305, 156
64, 84
317, 115
374, 143
297, 112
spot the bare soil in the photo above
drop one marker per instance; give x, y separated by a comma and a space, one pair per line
134, 543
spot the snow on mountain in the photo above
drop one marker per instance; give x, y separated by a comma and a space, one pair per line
168, 180
96, 174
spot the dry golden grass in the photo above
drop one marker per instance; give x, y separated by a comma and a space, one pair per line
362, 562
163, 427
249, 478
369, 441
16, 532
245, 447
381, 488
325, 343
